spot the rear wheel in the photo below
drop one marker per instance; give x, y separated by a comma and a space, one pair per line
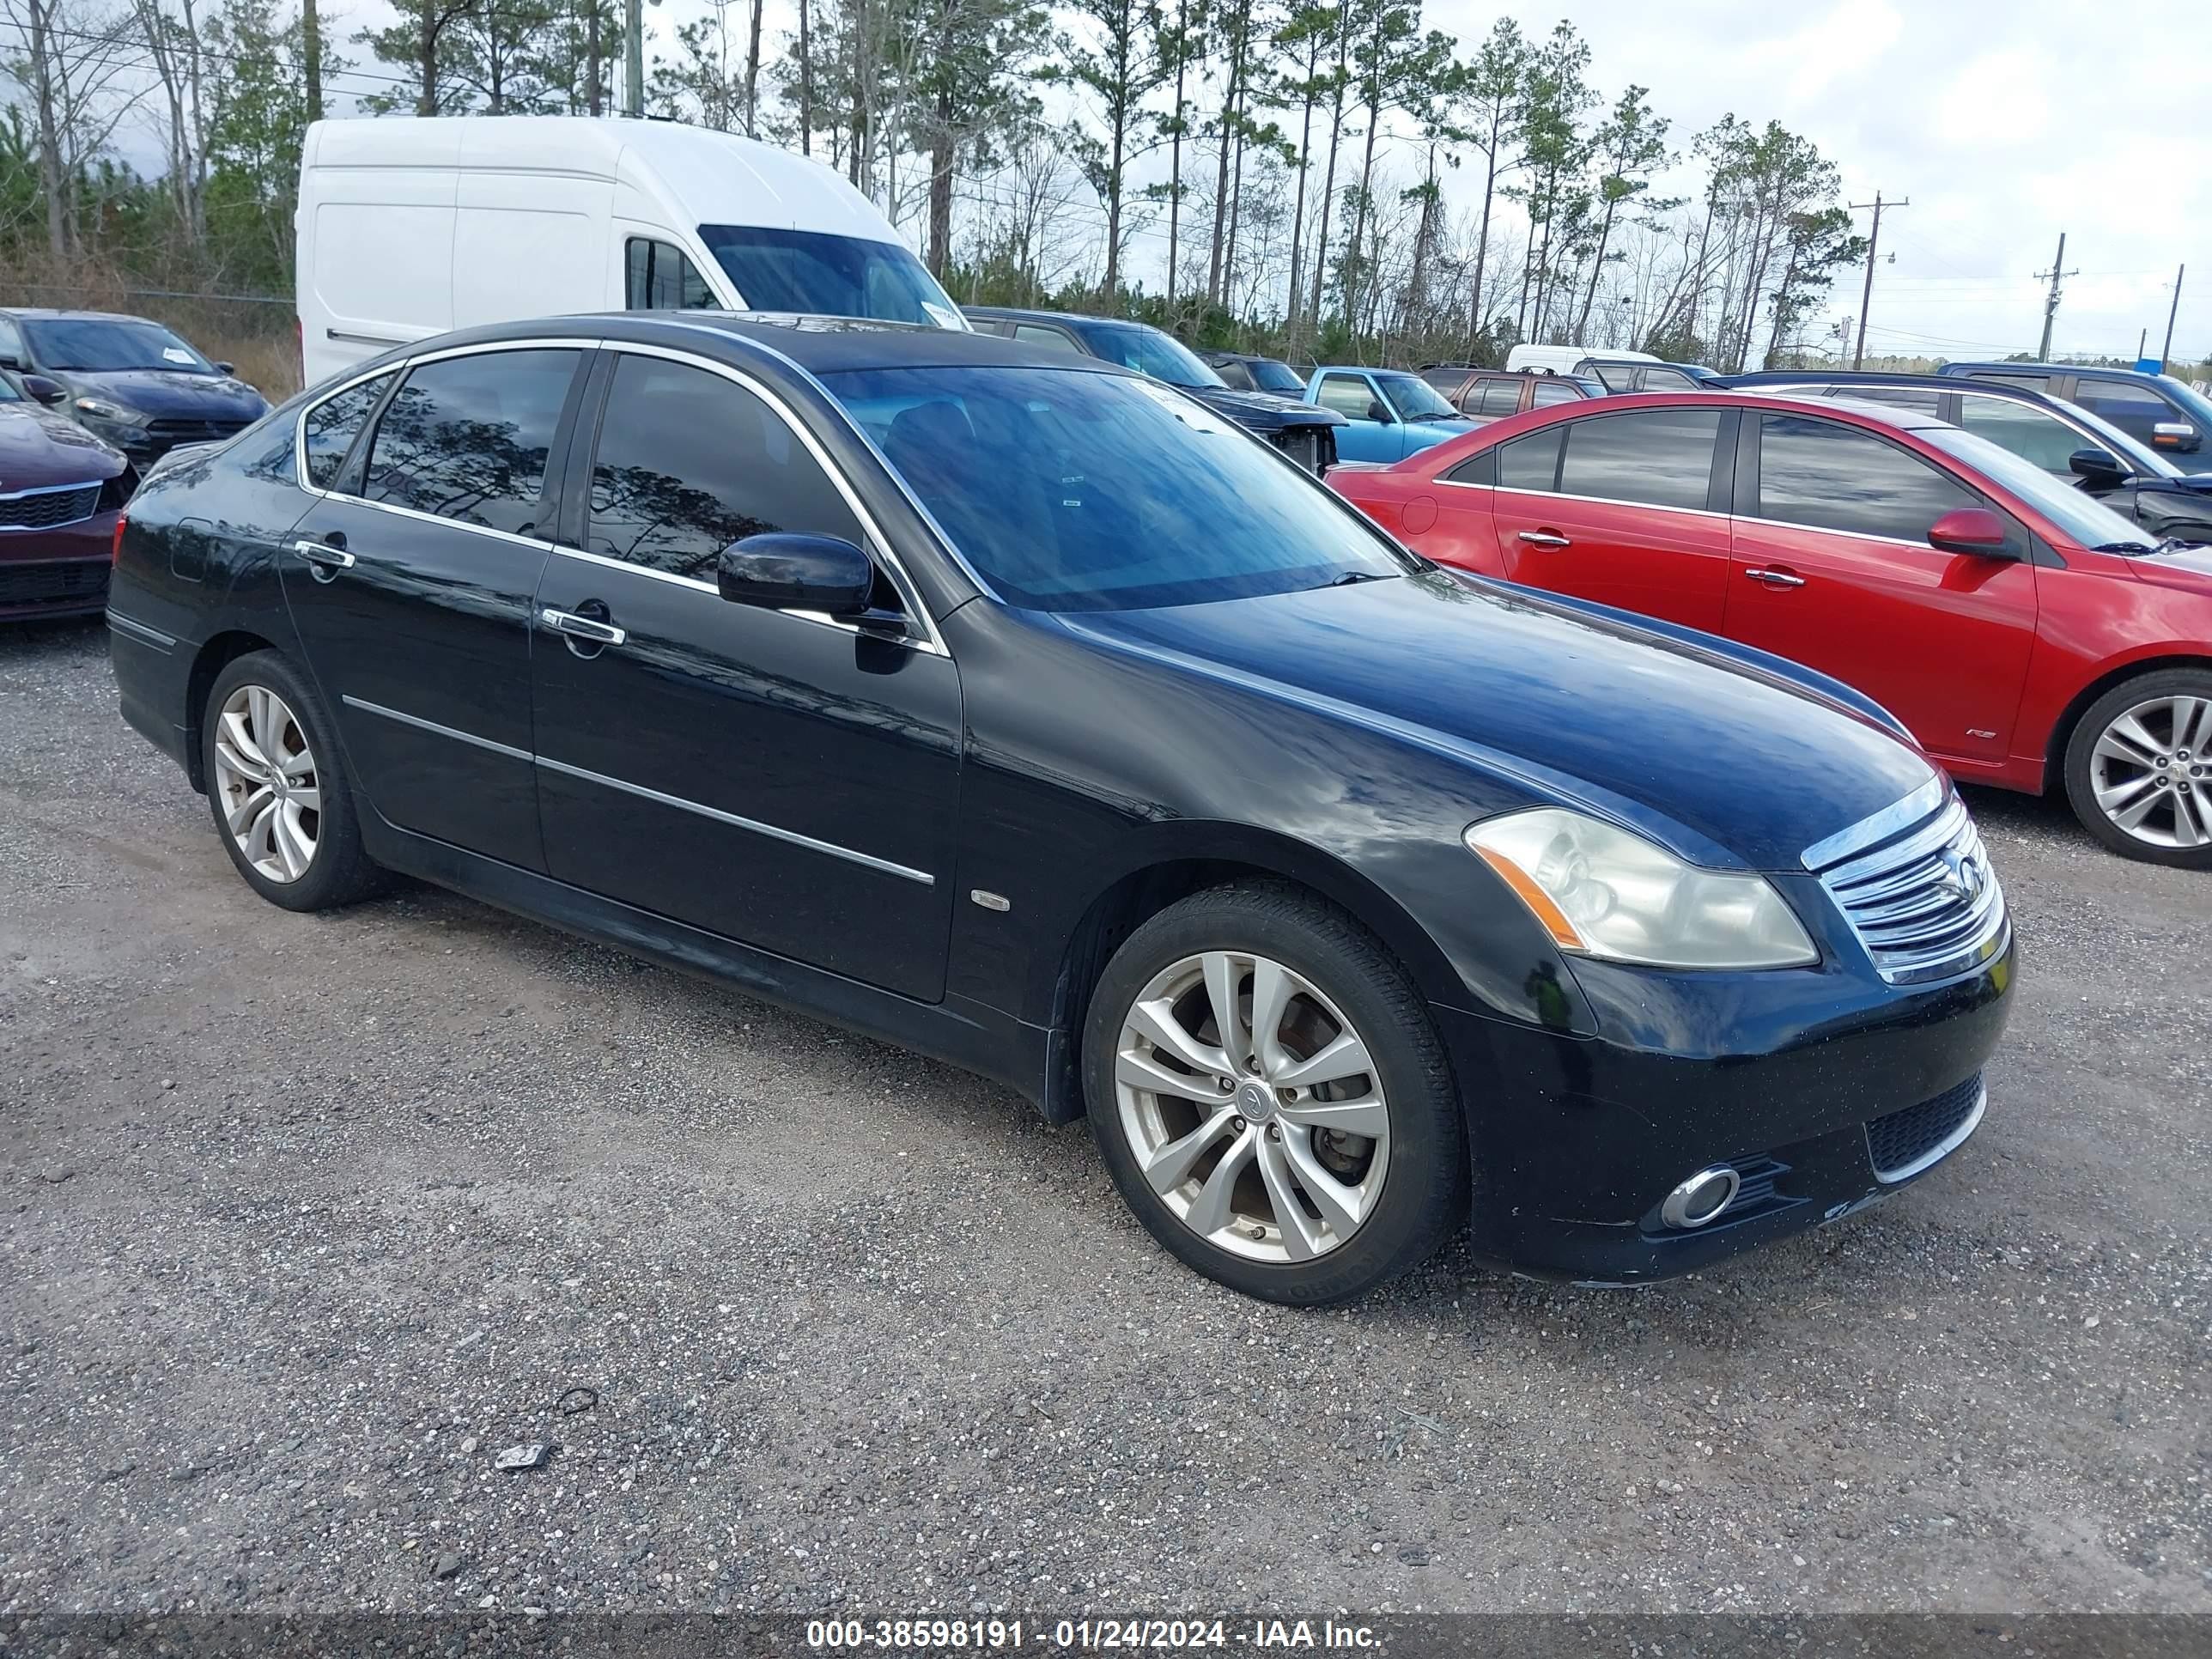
1271, 1098
278, 794
2139, 768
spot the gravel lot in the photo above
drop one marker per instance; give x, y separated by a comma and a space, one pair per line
308, 1217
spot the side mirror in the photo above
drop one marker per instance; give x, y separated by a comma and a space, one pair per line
2097, 466
1377, 412
1974, 529
782, 571
9, 360
226, 368
2174, 434
45, 391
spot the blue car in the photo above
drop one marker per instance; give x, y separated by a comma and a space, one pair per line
2156, 410
1389, 413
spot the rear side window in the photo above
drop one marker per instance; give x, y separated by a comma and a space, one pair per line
658, 277
1667, 380
1661, 457
1234, 374
334, 423
1553, 389
688, 462
1349, 395
1832, 477
1035, 334
1530, 462
1493, 398
468, 438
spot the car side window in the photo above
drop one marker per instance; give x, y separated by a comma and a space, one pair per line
1530, 462
1660, 457
1493, 398
1037, 335
1480, 468
333, 426
659, 278
2134, 410
468, 438
1828, 476
1349, 395
1553, 389
688, 462
2024, 382
2033, 434
1234, 374
1667, 380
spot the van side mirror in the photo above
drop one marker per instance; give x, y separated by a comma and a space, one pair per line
1974, 529
782, 571
2099, 467
226, 368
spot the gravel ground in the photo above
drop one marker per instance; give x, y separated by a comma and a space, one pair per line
308, 1217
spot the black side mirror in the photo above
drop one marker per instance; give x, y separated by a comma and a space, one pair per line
1375, 411
2099, 467
226, 368
782, 571
45, 391
9, 361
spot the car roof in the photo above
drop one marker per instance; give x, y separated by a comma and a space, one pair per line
50, 313
1869, 377
1906, 420
1020, 315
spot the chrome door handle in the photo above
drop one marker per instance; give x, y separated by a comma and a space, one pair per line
582, 628
1775, 578
322, 553
1544, 538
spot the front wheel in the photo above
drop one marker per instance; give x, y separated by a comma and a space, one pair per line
2139, 768
1271, 1098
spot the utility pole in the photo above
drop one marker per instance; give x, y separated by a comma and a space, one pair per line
634, 58
2056, 273
311, 48
2166, 353
1866, 293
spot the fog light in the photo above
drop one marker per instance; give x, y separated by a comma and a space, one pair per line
1702, 1197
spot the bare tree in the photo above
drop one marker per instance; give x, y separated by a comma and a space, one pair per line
80, 65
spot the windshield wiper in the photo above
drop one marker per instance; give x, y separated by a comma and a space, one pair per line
2127, 547
1351, 576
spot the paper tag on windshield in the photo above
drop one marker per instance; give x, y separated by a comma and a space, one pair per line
944, 318
173, 356
1191, 412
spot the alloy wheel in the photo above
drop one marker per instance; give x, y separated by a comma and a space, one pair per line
2151, 770
1251, 1107
267, 783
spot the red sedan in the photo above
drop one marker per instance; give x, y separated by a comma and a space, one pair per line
60, 490
2028, 635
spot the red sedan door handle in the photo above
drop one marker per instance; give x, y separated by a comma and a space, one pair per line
1544, 538
1776, 578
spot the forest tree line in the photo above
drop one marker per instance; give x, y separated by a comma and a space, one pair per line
1261, 173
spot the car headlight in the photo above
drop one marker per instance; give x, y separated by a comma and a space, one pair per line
1603, 892
100, 409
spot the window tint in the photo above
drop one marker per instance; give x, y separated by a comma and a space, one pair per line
807, 270
1836, 477
2030, 433
1667, 380
1494, 398
1614, 377
688, 463
1553, 389
1235, 374
1662, 456
2031, 382
334, 423
2134, 410
659, 278
467, 438
1034, 335
1531, 463
1349, 395
1480, 468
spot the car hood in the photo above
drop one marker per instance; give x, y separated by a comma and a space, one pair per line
1722, 762
162, 394
2187, 567
1263, 411
39, 447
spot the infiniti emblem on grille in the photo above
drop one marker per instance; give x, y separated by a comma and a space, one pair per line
1963, 875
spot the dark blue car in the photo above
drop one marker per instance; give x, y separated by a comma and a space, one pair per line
2157, 409
129, 380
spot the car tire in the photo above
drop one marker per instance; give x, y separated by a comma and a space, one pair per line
1369, 1163
277, 790
2141, 750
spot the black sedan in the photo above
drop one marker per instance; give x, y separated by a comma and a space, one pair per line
129, 381
1016, 708
1305, 432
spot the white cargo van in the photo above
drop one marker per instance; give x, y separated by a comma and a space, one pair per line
408, 227
1565, 360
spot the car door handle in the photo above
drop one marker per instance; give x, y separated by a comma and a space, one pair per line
1544, 538
323, 554
1775, 578
582, 628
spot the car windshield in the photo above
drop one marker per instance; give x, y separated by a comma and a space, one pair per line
1070, 490
107, 344
809, 271
1416, 399
2087, 521
1149, 351
1271, 376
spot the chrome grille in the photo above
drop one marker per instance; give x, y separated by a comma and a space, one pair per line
49, 508
1915, 884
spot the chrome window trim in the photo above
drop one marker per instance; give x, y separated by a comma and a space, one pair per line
422, 725
1870, 831
757, 828
51, 490
1943, 1148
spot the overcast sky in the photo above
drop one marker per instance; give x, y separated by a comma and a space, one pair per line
2004, 122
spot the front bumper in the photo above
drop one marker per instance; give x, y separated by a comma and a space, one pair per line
1576, 1141
55, 572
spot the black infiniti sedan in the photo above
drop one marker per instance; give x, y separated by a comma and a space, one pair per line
1019, 709
129, 381
1303, 431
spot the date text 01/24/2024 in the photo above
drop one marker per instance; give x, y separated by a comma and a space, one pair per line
1083, 1634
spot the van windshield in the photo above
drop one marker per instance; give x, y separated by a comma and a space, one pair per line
816, 274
